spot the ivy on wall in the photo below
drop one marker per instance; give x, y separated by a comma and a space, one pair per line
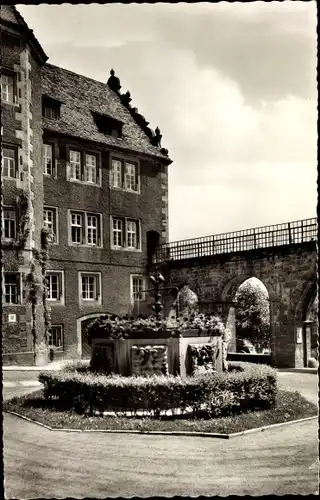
34, 280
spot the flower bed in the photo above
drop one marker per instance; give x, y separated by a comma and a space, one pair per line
289, 406
249, 387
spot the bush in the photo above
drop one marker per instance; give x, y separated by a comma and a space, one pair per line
312, 363
80, 366
246, 387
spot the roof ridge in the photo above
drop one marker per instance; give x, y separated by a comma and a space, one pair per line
20, 17
32, 38
73, 73
125, 99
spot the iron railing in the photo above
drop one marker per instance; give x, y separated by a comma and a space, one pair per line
239, 241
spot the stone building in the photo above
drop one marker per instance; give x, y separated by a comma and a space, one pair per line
81, 162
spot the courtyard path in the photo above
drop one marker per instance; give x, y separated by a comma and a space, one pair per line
42, 463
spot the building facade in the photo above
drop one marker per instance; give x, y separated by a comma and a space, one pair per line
81, 165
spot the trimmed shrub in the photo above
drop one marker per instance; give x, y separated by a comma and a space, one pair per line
247, 387
312, 363
80, 366
315, 354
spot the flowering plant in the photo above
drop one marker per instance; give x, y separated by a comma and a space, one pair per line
116, 328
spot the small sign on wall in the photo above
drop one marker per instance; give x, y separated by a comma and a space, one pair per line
299, 335
12, 318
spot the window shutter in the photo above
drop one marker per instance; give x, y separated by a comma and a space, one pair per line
97, 286
138, 234
124, 233
137, 176
82, 166
23, 290
84, 224
99, 223
68, 170
55, 156
18, 281
60, 286
122, 174
54, 221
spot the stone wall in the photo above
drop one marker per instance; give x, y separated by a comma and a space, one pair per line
288, 272
21, 123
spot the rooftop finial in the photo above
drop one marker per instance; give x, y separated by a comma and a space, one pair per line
114, 82
156, 140
126, 99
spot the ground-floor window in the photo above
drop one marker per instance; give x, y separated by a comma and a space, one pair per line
56, 337
11, 288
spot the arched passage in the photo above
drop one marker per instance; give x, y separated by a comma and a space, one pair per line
306, 319
248, 303
84, 349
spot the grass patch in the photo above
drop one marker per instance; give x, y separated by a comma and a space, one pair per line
289, 406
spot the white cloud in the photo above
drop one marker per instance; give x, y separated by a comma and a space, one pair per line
237, 162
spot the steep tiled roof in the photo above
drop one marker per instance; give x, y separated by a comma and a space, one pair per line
10, 15
80, 96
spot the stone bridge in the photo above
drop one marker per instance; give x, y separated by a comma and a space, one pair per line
283, 257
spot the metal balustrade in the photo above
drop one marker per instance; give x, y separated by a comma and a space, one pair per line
239, 241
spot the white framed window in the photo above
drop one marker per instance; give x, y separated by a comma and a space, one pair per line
125, 233
138, 285
116, 174
48, 160
75, 165
90, 287
130, 177
50, 108
84, 167
117, 232
9, 228
8, 88
90, 169
125, 175
132, 233
55, 339
55, 287
51, 112
85, 228
9, 163
76, 228
11, 288
50, 221
92, 229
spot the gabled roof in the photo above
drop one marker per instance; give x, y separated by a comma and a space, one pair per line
81, 96
10, 16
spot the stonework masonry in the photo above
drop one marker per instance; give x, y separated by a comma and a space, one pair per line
26, 129
289, 274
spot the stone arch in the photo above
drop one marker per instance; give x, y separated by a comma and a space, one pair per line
228, 294
80, 332
305, 300
230, 288
306, 331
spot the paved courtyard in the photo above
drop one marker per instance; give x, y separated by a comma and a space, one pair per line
42, 463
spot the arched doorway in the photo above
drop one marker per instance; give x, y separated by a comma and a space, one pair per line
84, 348
313, 320
306, 319
250, 314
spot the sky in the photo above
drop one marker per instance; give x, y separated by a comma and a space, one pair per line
232, 87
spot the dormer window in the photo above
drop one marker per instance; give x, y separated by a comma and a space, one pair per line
107, 124
50, 108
